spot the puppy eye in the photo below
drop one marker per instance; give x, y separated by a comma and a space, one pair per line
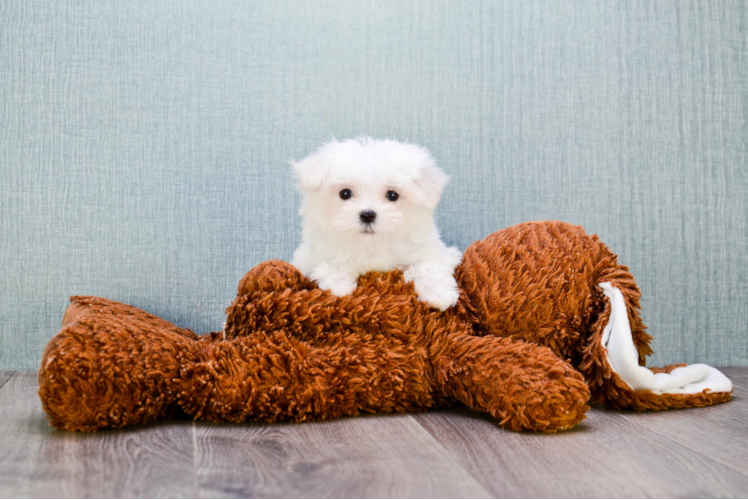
392, 195
346, 193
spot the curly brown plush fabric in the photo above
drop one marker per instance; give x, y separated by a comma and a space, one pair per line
530, 311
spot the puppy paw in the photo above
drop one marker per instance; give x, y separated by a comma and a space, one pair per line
440, 294
334, 280
434, 283
441, 298
338, 286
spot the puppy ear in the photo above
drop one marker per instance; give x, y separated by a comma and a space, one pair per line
430, 182
311, 172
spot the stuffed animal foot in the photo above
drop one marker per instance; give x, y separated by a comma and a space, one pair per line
523, 385
112, 365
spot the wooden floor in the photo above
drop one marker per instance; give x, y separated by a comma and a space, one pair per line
449, 453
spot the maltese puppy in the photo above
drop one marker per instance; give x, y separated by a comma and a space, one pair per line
369, 206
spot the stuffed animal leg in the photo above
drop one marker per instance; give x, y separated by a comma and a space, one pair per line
112, 365
523, 385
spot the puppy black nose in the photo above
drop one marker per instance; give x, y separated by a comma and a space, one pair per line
368, 216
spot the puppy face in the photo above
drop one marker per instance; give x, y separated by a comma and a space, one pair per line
369, 189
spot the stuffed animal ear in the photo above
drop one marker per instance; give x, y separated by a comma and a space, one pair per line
430, 182
312, 171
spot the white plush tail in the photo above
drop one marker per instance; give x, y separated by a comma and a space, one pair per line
623, 358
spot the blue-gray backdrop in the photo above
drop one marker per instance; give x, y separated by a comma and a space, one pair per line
143, 145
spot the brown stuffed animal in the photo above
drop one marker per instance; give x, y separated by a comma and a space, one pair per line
525, 343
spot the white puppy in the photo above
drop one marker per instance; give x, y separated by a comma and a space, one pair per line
369, 206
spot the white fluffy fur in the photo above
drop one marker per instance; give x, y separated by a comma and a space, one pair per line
337, 247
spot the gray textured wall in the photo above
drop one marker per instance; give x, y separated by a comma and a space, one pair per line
143, 145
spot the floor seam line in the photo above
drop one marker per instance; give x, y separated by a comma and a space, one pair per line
194, 459
13, 374
452, 457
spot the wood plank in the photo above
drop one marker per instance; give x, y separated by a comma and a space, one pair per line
37, 461
606, 456
719, 432
4, 377
738, 375
366, 456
